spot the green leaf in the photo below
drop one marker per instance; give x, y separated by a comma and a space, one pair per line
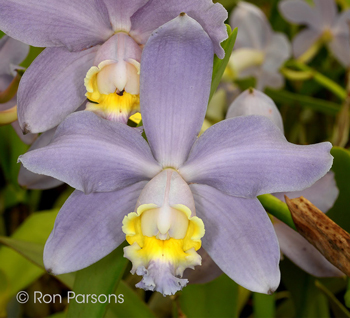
277, 208
264, 305
291, 99
309, 301
99, 278
337, 307
215, 299
132, 306
220, 65
19, 271
341, 168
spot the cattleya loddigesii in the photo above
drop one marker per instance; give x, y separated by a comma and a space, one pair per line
322, 193
93, 42
170, 191
323, 26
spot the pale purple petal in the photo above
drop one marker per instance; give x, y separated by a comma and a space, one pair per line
303, 254
254, 30
323, 193
52, 88
254, 102
77, 24
26, 138
205, 273
277, 52
92, 154
120, 12
299, 12
12, 52
340, 47
269, 79
303, 40
5, 80
326, 11
248, 156
176, 69
341, 24
239, 237
32, 180
157, 12
87, 228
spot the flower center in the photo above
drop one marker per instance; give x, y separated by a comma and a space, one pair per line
113, 90
163, 243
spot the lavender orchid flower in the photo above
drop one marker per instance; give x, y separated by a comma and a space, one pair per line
322, 193
259, 51
178, 182
93, 42
324, 25
12, 53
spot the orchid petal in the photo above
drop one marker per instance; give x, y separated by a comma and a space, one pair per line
326, 11
277, 52
340, 47
87, 228
157, 12
303, 254
45, 100
120, 12
299, 12
173, 107
254, 102
26, 138
32, 180
75, 24
12, 52
303, 40
254, 30
239, 238
92, 154
5, 80
323, 193
269, 79
248, 156
205, 273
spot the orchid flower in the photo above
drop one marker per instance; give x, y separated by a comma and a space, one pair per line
324, 25
186, 192
322, 193
96, 43
259, 51
12, 53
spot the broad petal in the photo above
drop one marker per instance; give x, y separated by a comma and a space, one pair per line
254, 30
52, 88
340, 47
176, 69
277, 52
326, 11
120, 12
26, 138
5, 80
254, 102
157, 12
239, 237
303, 254
92, 154
32, 180
87, 228
77, 25
248, 156
303, 40
205, 273
299, 12
269, 79
323, 193
12, 52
